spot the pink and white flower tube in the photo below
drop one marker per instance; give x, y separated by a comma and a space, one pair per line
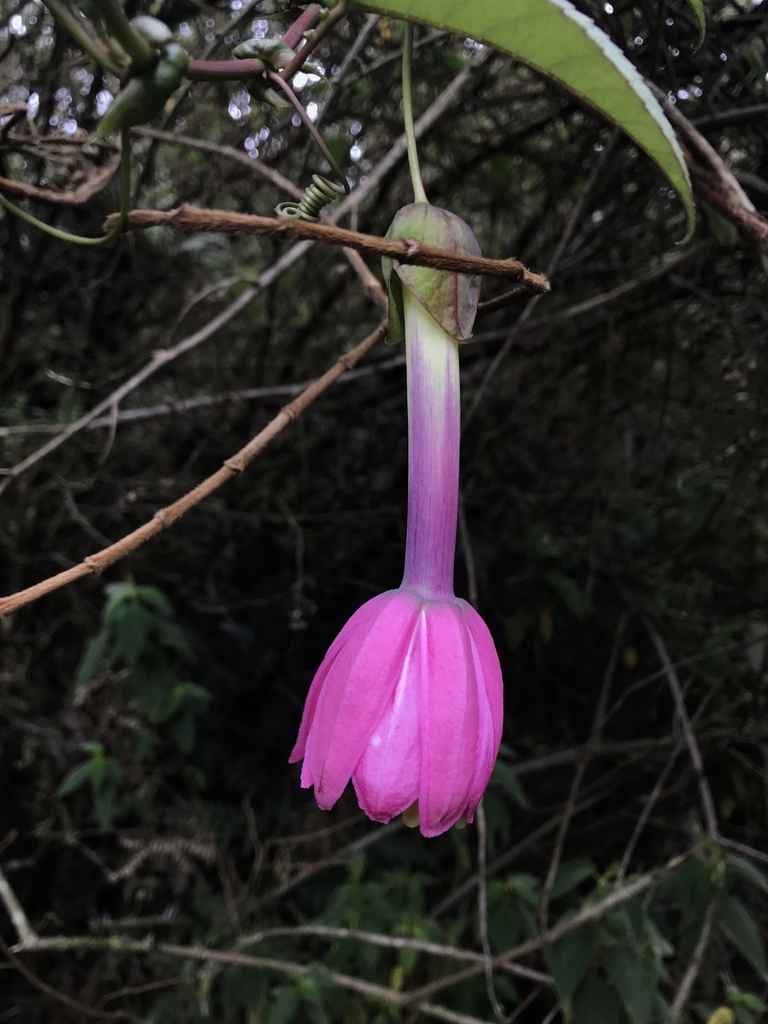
408, 700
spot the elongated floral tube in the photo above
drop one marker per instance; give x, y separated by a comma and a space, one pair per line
408, 700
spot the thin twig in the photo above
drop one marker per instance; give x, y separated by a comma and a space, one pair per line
594, 740
705, 793
593, 912
176, 407
165, 517
387, 942
482, 913
16, 912
565, 237
191, 220
118, 944
694, 966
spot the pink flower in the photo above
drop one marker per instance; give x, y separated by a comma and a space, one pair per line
407, 703
408, 700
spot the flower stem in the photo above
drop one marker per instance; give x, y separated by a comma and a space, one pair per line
434, 427
419, 195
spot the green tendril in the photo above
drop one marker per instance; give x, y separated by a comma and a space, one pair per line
66, 236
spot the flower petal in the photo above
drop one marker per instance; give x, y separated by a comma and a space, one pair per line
449, 718
386, 779
357, 622
356, 691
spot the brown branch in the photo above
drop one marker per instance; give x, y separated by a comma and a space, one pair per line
705, 793
165, 517
231, 958
697, 957
713, 180
75, 197
16, 913
592, 743
189, 220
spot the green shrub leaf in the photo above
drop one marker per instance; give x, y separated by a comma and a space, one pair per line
742, 929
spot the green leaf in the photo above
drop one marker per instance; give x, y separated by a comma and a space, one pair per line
569, 958
595, 1003
561, 42
91, 660
571, 874
105, 803
628, 977
75, 779
701, 19
569, 593
156, 599
742, 929
284, 1006
131, 623
506, 778
152, 685
169, 634
743, 868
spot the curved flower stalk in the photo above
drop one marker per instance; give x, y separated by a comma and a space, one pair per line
408, 700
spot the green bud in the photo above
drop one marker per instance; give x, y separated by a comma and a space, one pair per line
154, 31
273, 53
146, 95
449, 297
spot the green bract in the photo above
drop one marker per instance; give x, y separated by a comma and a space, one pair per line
449, 297
273, 53
152, 29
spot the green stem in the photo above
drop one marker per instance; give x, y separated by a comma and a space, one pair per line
419, 195
66, 236
141, 53
96, 50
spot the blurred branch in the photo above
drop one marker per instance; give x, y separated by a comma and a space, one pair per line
565, 236
713, 180
705, 793
117, 944
184, 405
166, 517
578, 776
16, 912
97, 181
190, 220
594, 912
694, 966
388, 942
93, 47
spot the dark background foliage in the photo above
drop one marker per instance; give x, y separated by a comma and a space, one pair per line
613, 489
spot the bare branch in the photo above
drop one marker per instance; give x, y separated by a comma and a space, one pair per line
686, 984
705, 793
165, 517
16, 912
190, 220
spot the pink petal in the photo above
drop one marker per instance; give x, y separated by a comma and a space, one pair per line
359, 621
490, 696
449, 718
386, 778
355, 693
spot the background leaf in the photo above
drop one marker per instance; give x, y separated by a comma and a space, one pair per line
743, 930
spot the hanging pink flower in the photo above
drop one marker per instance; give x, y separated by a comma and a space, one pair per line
408, 700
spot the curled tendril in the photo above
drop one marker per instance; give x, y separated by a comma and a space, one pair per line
317, 195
